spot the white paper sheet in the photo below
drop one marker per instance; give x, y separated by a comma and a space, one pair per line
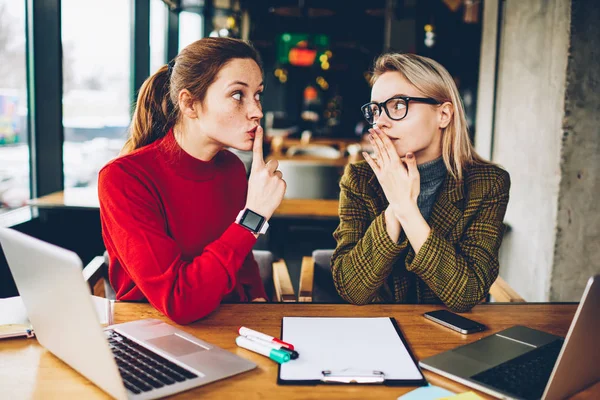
12, 310
359, 345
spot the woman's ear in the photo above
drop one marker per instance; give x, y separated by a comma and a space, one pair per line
446, 112
187, 104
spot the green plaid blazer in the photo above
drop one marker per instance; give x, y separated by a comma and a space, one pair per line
457, 264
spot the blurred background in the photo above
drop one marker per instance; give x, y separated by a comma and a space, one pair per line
527, 71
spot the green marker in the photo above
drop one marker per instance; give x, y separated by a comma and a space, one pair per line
274, 354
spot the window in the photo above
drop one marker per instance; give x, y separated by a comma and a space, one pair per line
190, 28
158, 35
96, 79
14, 147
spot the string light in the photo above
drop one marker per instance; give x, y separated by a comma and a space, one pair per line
323, 84
281, 74
429, 35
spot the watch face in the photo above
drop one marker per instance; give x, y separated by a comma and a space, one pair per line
252, 220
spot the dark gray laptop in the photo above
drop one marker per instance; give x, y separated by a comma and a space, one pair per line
525, 363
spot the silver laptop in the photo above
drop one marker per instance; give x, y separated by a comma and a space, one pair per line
524, 363
143, 359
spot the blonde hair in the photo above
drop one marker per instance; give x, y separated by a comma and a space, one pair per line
433, 80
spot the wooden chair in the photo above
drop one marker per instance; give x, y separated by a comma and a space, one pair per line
96, 275
316, 282
503, 293
274, 274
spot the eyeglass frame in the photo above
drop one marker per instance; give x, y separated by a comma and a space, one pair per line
407, 99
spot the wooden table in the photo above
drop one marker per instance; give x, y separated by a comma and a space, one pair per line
307, 159
29, 371
280, 145
83, 198
308, 208
87, 198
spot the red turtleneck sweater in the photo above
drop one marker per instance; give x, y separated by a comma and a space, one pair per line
168, 226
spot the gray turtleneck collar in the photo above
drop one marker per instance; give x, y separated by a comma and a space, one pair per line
432, 175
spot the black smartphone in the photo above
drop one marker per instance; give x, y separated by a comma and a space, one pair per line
454, 321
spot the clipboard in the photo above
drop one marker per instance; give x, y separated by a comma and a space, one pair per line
334, 350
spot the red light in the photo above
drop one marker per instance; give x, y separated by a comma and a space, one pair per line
310, 94
302, 57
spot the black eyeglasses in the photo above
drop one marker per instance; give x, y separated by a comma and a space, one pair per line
395, 107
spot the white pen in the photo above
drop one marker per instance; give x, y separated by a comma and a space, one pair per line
243, 331
293, 353
274, 354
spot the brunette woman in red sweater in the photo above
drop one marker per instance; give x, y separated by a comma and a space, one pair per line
171, 204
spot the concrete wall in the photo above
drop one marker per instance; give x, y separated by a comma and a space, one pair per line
486, 95
534, 43
577, 250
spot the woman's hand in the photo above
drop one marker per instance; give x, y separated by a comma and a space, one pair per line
392, 224
265, 185
399, 177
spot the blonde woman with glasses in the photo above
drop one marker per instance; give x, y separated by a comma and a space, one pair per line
422, 220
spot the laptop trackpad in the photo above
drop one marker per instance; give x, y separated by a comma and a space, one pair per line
175, 345
494, 350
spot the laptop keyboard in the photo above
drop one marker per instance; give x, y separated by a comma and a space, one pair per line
525, 376
141, 369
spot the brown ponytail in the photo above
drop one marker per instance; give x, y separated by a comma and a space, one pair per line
153, 115
195, 68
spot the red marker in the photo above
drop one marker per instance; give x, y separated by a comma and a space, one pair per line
243, 331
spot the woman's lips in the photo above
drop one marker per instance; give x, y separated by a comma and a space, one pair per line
252, 132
